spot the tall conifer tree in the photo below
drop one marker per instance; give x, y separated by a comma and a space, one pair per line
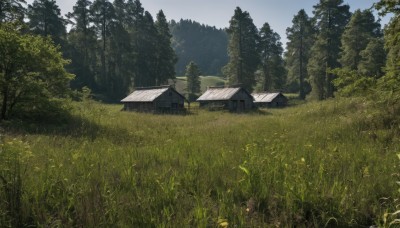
361, 28
273, 75
331, 18
12, 10
102, 15
301, 38
82, 40
45, 19
166, 57
242, 50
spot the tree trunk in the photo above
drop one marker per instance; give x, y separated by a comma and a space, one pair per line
301, 78
4, 104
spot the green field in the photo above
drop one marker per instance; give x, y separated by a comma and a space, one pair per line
318, 164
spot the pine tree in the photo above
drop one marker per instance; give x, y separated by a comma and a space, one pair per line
102, 14
356, 36
272, 65
242, 50
301, 38
82, 40
389, 84
120, 68
193, 80
143, 34
12, 10
166, 57
373, 59
45, 19
331, 18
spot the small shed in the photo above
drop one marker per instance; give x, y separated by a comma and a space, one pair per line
269, 100
232, 99
154, 99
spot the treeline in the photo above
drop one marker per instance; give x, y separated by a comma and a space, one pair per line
202, 44
334, 38
114, 46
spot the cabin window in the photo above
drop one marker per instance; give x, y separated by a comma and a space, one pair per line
174, 105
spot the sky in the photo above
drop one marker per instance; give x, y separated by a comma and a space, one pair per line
278, 13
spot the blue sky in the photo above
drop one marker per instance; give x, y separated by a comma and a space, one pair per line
278, 13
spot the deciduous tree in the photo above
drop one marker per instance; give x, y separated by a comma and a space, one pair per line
31, 72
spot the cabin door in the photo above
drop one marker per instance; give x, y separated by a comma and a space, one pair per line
242, 106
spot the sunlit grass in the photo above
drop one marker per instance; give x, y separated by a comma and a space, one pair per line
311, 165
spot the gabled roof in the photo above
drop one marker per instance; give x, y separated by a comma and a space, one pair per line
219, 94
148, 94
265, 97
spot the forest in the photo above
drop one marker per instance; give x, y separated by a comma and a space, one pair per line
69, 157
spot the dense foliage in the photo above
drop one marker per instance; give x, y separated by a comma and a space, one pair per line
32, 73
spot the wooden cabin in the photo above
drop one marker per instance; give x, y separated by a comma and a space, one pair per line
269, 100
158, 99
232, 99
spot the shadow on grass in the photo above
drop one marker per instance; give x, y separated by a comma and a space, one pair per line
70, 125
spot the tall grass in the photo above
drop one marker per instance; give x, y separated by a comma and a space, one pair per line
318, 164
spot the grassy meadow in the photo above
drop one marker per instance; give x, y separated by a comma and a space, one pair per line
320, 164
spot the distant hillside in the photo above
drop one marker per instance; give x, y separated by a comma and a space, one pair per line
203, 44
180, 83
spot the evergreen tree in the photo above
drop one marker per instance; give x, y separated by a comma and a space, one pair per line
136, 24
12, 10
272, 66
389, 84
356, 36
119, 64
242, 50
102, 14
193, 79
166, 57
82, 40
301, 39
45, 19
331, 18
147, 53
373, 58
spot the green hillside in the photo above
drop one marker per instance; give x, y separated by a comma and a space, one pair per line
314, 165
180, 83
